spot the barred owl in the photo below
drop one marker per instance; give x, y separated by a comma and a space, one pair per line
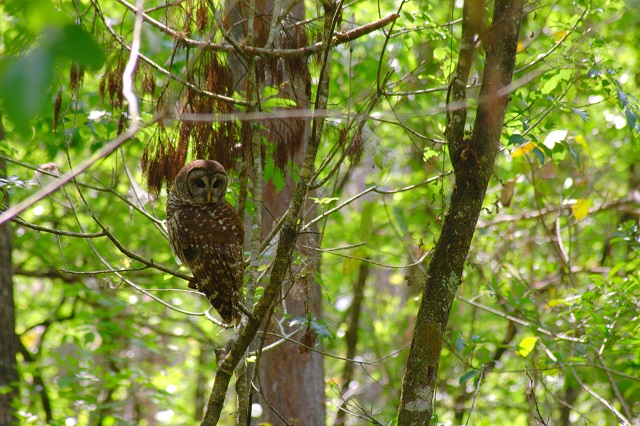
207, 234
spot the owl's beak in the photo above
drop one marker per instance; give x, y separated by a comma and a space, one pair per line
208, 196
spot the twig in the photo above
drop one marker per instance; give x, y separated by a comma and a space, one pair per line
606, 403
521, 321
57, 231
338, 207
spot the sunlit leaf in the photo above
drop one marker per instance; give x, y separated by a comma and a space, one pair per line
581, 208
526, 345
583, 143
353, 262
524, 149
558, 35
555, 137
429, 153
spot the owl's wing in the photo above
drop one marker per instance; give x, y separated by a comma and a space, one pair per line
218, 274
210, 241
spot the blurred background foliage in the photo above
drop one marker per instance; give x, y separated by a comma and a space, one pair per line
546, 326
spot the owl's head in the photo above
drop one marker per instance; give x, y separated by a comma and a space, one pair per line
202, 182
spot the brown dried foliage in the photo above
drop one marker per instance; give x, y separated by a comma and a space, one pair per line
355, 148
111, 82
76, 76
57, 105
148, 79
163, 158
202, 17
291, 77
227, 141
308, 341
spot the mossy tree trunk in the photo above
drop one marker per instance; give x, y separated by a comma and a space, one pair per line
473, 160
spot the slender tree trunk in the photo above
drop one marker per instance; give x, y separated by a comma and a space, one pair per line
352, 337
473, 159
8, 338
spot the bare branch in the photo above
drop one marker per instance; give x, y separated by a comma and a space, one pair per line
57, 231
338, 38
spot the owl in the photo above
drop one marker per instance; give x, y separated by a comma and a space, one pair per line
207, 234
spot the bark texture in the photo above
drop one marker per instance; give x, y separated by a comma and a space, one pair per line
473, 160
8, 338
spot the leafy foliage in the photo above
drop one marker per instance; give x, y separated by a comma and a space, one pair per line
546, 320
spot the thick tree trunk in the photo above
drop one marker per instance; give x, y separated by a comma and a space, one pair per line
473, 160
8, 338
291, 382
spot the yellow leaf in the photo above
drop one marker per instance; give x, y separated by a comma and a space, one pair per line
557, 36
580, 209
556, 302
583, 143
520, 47
526, 345
524, 149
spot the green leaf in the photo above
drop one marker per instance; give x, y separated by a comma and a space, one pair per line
539, 154
573, 153
24, 84
324, 201
622, 97
517, 139
582, 113
366, 221
631, 118
526, 345
550, 85
321, 329
76, 44
429, 153
469, 374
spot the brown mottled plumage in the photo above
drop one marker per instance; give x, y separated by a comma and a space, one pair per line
207, 234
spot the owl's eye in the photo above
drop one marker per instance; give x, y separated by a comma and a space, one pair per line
199, 183
216, 184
